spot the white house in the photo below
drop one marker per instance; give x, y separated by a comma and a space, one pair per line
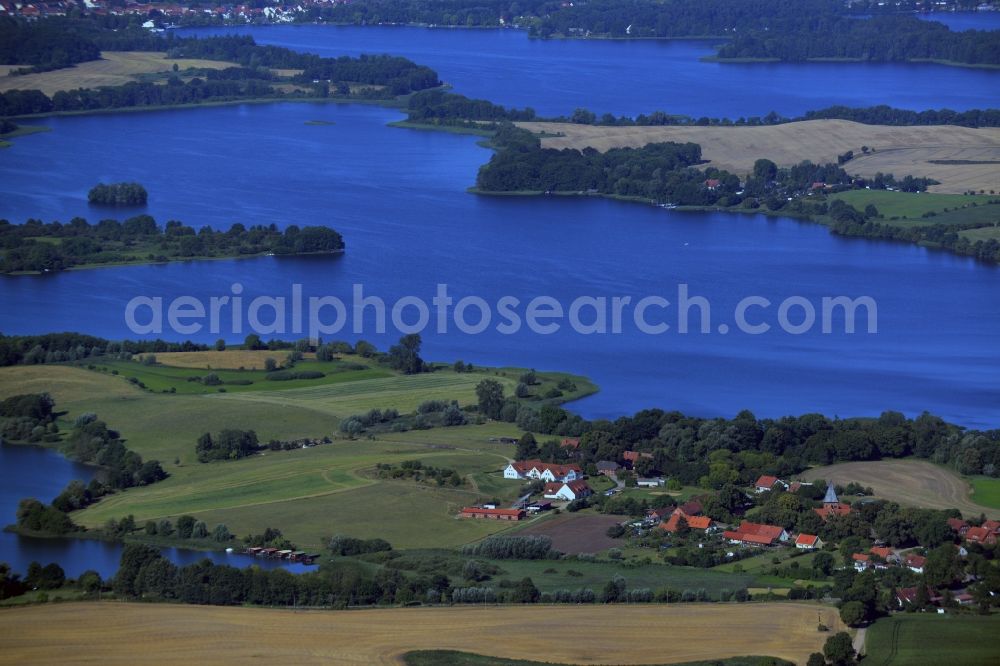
568, 491
536, 469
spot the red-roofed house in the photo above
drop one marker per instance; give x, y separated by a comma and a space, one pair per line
808, 542
712, 183
570, 443
492, 514
915, 563
694, 522
569, 490
536, 469
632, 457
861, 561
959, 526
757, 534
766, 483
981, 535
993, 525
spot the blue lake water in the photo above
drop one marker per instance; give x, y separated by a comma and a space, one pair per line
28, 471
631, 77
399, 198
959, 21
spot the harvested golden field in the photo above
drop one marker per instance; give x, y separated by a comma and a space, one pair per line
120, 633
902, 151
114, 69
231, 359
909, 482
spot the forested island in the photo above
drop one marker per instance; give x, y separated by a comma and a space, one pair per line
118, 194
36, 246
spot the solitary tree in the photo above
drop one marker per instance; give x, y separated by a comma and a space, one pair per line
490, 394
839, 649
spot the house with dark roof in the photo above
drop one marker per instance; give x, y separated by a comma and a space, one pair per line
608, 467
492, 514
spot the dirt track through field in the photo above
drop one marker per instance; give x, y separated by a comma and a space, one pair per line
961, 158
910, 482
131, 633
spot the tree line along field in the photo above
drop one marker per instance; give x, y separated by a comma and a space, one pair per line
904, 209
910, 482
929, 640
310, 494
83, 633
961, 158
113, 69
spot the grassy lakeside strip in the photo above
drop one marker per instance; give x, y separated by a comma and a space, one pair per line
457, 658
922, 61
203, 545
395, 103
22, 130
448, 129
141, 261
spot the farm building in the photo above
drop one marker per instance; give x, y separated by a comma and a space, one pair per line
808, 542
536, 469
908, 596
492, 514
694, 522
832, 506
568, 491
757, 534
981, 535
650, 483
691, 508
608, 467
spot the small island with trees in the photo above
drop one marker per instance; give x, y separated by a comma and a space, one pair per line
35, 246
118, 194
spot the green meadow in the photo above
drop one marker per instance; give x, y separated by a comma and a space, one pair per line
932, 639
986, 491
911, 205
312, 493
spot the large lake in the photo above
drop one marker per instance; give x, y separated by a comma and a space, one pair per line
631, 77
399, 198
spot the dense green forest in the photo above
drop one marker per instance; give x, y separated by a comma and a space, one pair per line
118, 194
44, 45
140, 239
879, 39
